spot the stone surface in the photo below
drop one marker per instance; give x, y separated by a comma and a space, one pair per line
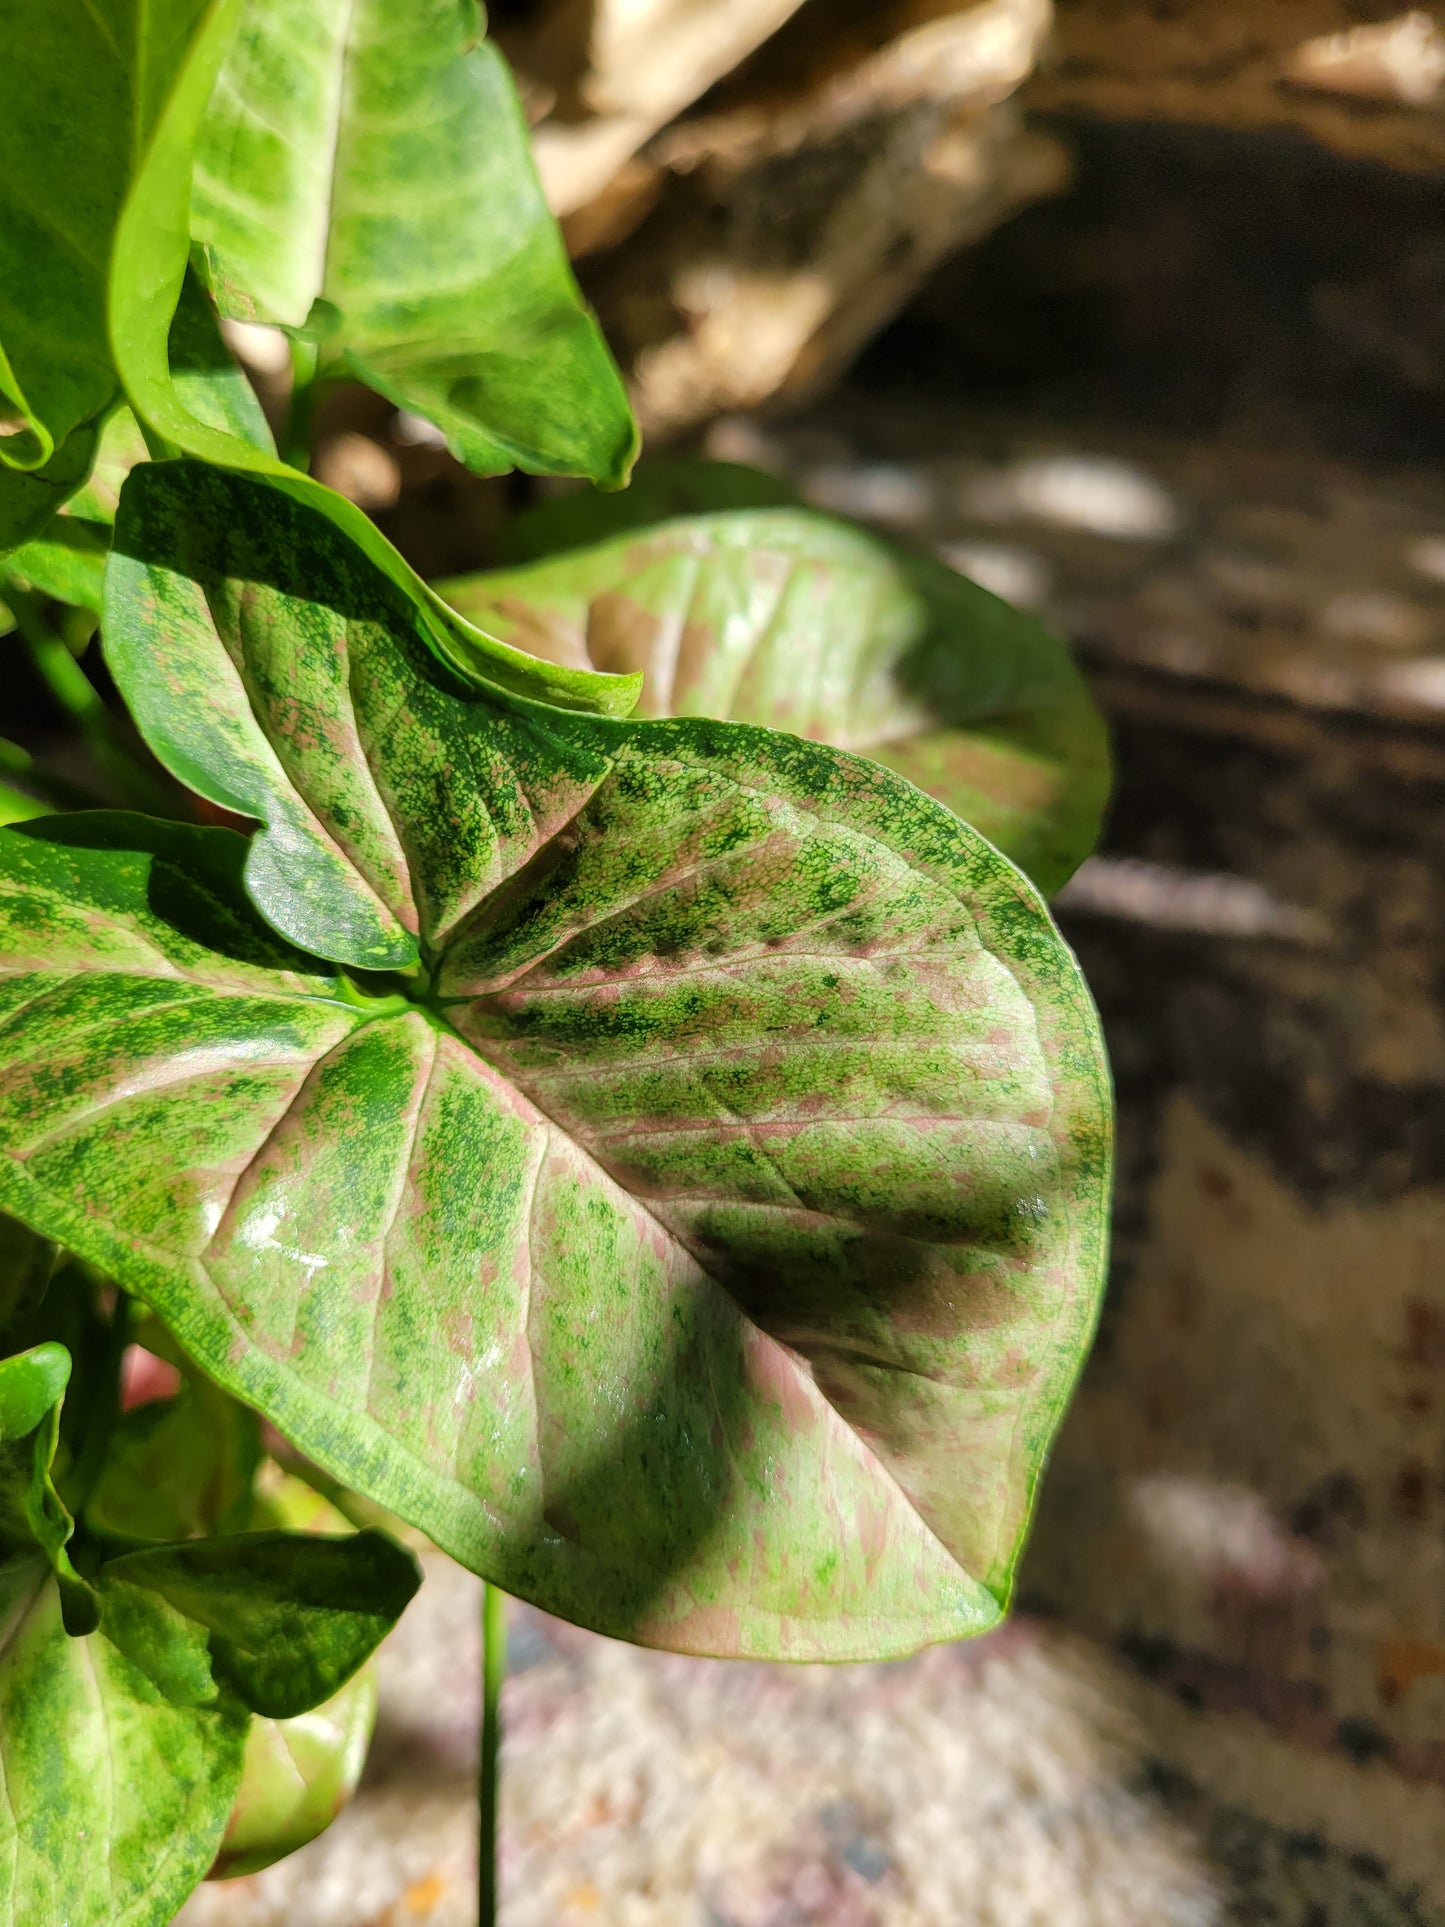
1237, 64
806, 199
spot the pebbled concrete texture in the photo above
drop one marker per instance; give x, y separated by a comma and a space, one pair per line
1022, 1779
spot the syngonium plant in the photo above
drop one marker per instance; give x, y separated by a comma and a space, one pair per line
622, 1107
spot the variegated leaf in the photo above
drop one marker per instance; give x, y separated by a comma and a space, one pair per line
364, 174
788, 617
702, 1239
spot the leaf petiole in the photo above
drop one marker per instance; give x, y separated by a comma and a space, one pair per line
301, 415
494, 1667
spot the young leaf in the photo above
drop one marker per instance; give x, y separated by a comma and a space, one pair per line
789, 617
102, 74
147, 267
30, 1384
709, 1248
177, 1468
330, 870
298, 1775
364, 173
67, 559
32, 1513
284, 1618
116, 1800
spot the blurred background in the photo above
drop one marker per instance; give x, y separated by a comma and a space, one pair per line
1132, 310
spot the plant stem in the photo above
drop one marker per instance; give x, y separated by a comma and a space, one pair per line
305, 361
494, 1667
157, 447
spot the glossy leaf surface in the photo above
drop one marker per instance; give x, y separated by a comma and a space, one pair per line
787, 617
710, 1253
115, 1799
147, 283
365, 173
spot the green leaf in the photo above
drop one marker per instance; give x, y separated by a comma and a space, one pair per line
177, 1468
32, 1513
205, 376
66, 562
30, 1384
298, 1775
116, 1800
30, 497
147, 276
796, 619
364, 173
280, 1619
334, 878
704, 1246
102, 71
17, 807
67, 559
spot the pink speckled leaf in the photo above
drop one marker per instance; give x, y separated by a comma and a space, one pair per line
702, 1241
764, 611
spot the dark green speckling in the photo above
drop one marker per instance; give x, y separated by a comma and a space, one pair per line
707, 1254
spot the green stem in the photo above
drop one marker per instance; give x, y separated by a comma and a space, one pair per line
157, 447
104, 1407
305, 363
494, 1667
81, 700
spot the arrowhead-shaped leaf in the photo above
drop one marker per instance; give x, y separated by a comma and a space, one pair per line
365, 173
791, 618
116, 1800
704, 1245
